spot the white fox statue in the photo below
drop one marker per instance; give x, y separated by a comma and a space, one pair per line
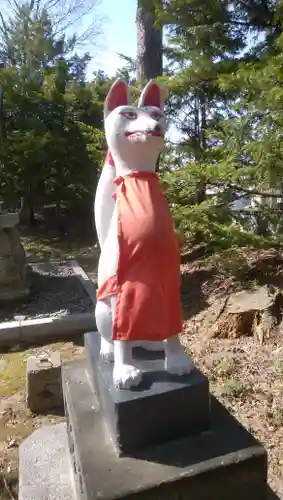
138, 297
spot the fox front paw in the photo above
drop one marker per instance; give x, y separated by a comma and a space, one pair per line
126, 376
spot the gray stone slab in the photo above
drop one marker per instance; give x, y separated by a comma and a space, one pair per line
162, 408
45, 469
226, 463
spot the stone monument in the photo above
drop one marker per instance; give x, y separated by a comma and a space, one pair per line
13, 283
141, 423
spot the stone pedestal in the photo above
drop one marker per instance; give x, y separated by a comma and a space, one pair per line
223, 463
13, 283
136, 419
166, 440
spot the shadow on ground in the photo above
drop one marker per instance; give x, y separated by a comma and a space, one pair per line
193, 298
9, 486
77, 341
271, 495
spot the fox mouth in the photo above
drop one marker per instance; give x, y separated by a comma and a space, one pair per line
139, 132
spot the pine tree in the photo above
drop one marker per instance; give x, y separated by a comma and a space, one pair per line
215, 73
198, 53
256, 160
52, 148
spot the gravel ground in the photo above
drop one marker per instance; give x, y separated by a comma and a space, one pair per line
55, 290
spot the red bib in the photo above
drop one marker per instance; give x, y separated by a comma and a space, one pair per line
147, 283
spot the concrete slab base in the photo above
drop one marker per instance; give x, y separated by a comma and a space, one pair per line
45, 469
225, 463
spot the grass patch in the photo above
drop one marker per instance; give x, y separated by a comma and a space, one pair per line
277, 417
224, 367
278, 368
13, 377
233, 389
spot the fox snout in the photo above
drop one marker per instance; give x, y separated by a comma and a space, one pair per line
142, 129
157, 128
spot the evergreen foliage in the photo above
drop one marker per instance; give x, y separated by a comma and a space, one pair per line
223, 165
224, 177
54, 143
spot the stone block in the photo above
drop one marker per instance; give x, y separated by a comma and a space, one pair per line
162, 408
225, 463
45, 470
44, 383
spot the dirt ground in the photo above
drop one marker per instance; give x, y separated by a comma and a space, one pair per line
246, 377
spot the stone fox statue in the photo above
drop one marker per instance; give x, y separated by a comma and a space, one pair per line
138, 297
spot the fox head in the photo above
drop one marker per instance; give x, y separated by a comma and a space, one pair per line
134, 134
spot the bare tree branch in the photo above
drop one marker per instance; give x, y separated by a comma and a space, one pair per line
68, 17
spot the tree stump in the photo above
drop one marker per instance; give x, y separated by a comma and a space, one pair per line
249, 312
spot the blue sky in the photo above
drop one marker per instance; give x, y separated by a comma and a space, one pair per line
119, 35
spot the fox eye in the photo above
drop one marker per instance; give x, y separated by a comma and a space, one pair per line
156, 116
130, 115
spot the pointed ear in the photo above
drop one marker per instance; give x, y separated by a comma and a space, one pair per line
118, 95
153, 95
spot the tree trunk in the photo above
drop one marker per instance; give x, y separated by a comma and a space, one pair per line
149, 45
27, 217
149, 42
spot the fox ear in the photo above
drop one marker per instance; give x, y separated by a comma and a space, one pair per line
153, 95
118, 95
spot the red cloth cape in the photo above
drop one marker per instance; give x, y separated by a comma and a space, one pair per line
147, 283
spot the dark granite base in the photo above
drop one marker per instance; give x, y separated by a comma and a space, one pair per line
226, 463
164, 407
